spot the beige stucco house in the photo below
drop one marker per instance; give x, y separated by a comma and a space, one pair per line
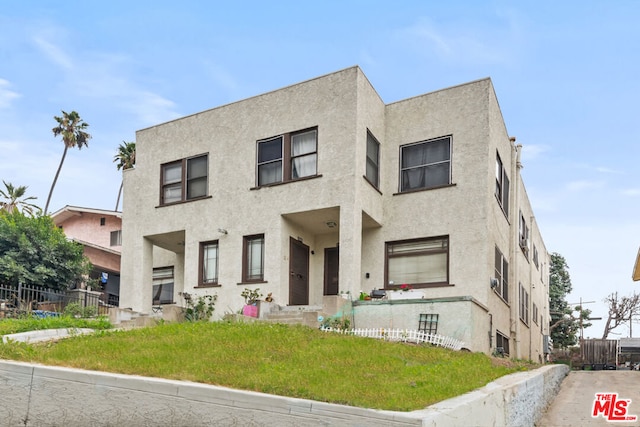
321, 188
100, 234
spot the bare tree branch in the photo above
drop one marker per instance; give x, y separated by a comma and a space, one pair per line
621, 309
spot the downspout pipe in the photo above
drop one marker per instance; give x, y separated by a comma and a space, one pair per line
514, 220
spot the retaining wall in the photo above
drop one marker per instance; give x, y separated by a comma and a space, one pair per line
36, 395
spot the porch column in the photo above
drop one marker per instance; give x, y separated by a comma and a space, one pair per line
351, 250
137, 277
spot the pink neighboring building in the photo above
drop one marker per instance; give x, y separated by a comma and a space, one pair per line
100, 233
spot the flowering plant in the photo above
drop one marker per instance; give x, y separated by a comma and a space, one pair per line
406, 287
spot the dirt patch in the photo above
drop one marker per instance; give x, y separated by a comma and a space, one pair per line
512, 364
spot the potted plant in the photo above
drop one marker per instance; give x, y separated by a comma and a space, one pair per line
405, 291
251, 298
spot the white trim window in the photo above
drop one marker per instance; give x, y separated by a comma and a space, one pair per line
425, 164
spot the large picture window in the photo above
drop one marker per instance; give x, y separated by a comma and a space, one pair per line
253, 258
373, 160
418, 262
163, 285
287, 157
425, 164
208, 264
184, 180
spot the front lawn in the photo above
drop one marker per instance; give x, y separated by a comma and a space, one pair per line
293, 361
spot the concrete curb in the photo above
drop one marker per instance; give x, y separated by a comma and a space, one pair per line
36, 395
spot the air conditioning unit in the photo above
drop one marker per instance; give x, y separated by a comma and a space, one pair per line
546, 344
494, 282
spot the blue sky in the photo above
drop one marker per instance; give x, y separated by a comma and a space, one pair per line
565, 73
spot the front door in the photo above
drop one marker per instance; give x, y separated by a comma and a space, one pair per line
298, 273
331, 262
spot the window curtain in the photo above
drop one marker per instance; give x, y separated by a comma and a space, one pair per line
255, 258
425, 165
303, 153
163, 286
270, 161
415, 269
210, 263
270, 173
172, 183
197, 177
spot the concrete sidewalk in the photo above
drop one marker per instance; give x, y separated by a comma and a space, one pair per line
573, 405
46, 335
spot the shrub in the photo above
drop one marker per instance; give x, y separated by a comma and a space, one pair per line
200, 308
74, 309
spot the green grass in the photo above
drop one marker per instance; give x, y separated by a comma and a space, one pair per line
293, 361
25, 324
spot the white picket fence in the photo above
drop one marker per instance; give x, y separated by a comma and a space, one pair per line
403, 335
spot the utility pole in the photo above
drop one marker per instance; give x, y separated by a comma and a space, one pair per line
581, 329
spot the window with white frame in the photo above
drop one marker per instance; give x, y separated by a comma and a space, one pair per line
501, 275
287, 157
115, 238
253, 258
534, 313
425, 164
373, 160
524, 305
184, 180
502, 185
208, 263
418, 262
163, 285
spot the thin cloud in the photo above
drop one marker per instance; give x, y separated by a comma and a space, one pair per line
583, 185
55, 54
632, 192
152, 108
533, 151
462, 43
6, 94
607, 170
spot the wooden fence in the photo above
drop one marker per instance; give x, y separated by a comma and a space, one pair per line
402, 335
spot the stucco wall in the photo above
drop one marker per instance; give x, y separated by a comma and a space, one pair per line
86, 227
343, 106
462, 318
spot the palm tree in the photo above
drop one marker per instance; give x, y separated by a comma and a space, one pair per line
14, 199
126, 159
72, 128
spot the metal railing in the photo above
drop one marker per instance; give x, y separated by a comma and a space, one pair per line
23, 299
403, 335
